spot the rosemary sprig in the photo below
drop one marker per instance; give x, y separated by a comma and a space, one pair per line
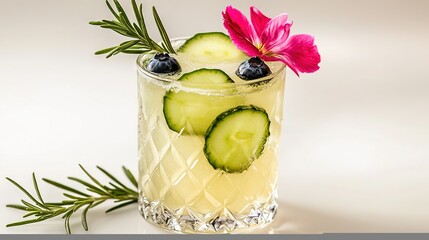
141, 42
98, 193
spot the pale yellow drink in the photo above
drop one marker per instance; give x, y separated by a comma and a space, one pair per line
180, 190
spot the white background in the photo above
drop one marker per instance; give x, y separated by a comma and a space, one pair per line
354, 156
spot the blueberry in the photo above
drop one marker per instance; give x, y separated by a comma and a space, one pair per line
253, 68
163, 63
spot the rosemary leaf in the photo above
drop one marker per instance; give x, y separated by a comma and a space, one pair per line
67, 221
30, 214
30, 206
98, 203
36, 187
101, 193
125, 22
121, 205
120, 9
24, 191
96, 23
41, 211
138, 15
112, 10
137, 31
112, 22
130, 176
140, 18
16, 206
84, 217
72, 196
134, 51
58, 204
94, 179
78, 206
119, 29
24, 222
164, 35
116, 181
59, 185
90, 186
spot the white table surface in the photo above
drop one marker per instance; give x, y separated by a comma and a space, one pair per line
355, 145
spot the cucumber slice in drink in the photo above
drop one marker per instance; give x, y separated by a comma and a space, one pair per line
236, 138
206, 76
191, 112
211, 47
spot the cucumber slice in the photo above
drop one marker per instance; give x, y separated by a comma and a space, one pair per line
207, 76
236, 138
192, 113
211, 47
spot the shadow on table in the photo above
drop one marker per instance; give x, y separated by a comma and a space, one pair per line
295, 219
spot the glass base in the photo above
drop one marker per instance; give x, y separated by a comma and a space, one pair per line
185, 220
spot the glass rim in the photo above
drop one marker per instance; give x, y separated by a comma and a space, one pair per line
167, 79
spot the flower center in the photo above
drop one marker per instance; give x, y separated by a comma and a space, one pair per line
264, 51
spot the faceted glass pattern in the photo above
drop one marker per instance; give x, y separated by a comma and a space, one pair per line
179, 189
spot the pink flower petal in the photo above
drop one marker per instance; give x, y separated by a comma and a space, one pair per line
269, 39
283, 58
240, 31
259, 20
275, 35
300, 54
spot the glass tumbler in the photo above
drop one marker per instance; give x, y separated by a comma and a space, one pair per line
179, 189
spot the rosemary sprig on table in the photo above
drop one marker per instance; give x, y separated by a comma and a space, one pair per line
98, 193
141, 42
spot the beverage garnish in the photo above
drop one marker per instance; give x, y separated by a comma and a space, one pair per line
142, 41
269, 39
96, 193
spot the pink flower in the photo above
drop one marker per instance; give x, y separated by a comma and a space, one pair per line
269, 39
